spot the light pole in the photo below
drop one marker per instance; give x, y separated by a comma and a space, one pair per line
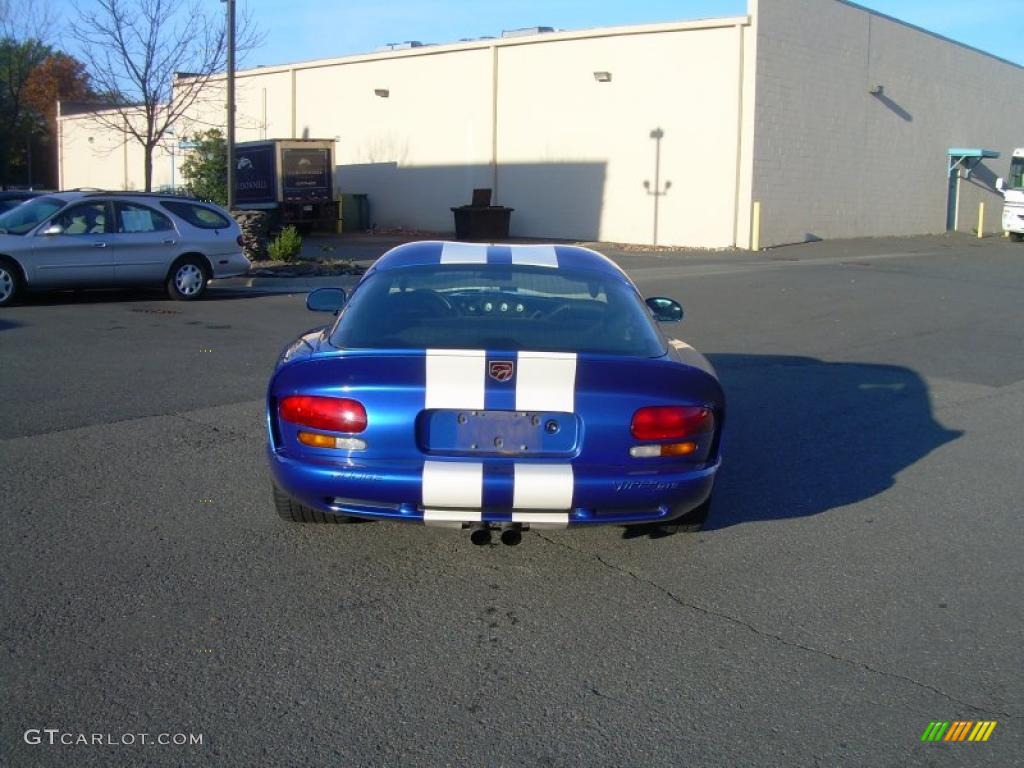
174, 185
657, 192
231, 102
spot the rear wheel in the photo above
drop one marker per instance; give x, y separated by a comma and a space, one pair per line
10, 282
293, 512
1017, 237
187, 279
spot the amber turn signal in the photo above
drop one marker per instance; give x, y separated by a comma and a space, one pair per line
669, 449
313, 440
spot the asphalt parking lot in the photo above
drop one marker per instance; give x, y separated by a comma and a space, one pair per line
861, 574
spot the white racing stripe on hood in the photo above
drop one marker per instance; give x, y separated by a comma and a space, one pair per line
542, 486
535, 255
455, 378
546, 381
463, 253
453, 484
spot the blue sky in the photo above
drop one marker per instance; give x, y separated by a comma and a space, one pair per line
298, 30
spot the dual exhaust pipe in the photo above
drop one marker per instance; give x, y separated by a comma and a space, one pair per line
509, 533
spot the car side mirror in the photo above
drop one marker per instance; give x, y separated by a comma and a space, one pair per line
53, 229
665, 310
326, 300
1000, 184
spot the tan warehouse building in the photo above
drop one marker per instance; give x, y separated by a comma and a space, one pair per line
803, 119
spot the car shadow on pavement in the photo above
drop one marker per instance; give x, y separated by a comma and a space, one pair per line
803, 436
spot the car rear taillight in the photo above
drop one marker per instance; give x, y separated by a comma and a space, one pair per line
335, 414
670, 422
240, 240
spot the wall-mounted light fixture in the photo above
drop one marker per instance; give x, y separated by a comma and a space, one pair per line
876, 90
382, 92
603, 77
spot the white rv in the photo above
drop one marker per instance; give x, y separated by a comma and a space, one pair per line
1013, 197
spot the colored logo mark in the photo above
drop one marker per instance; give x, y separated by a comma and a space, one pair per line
501, 370
958, 730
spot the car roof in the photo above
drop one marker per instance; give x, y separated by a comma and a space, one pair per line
443, 252
65, 195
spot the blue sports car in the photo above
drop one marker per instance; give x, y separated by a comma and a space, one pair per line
494, 388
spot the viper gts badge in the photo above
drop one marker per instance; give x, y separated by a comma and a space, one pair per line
501, 370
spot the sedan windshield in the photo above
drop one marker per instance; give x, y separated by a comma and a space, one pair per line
29, 215
498, 307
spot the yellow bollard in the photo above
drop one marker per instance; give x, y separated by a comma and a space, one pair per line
755, 228
981, 220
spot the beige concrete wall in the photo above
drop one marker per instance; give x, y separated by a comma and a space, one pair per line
832, 160
574, 154
526, 117
416, 152
93, 154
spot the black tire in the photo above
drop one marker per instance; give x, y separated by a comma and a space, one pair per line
10, 282
1017, 237
293, 512
689, 522
187, 278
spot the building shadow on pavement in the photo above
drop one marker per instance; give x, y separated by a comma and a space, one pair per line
804, 436
128, 295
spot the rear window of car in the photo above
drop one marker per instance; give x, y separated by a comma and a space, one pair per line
499, 307
197, 215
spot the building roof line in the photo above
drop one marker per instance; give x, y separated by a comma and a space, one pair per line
502, 42
930, 33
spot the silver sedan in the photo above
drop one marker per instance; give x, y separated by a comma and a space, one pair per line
105, 239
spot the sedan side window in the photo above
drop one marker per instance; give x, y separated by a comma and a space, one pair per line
132, 218
197, 215
84, 219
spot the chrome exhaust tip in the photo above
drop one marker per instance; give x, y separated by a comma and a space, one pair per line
511, 535
480, 536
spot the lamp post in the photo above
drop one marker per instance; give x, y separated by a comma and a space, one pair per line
657, 191
231, 101
174, 185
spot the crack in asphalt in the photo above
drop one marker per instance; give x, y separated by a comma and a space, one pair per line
219, 429
771, 635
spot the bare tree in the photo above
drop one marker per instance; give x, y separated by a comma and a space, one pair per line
153, 61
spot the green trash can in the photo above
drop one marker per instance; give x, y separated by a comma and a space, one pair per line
355, 212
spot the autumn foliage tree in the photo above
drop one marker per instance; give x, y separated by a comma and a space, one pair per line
33, 76
59, 77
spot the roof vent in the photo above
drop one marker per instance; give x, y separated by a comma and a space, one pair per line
401, 46
524, 31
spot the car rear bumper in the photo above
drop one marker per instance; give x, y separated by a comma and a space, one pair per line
393, 491
230, 265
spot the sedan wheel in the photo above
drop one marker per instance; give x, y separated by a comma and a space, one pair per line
187, 281
8, 284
